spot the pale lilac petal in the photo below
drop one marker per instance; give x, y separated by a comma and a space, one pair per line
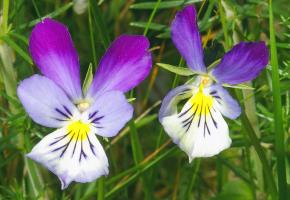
71, 155
173, 98
228, 106
45, 102
52, 50
242, 63
126, 63
109, 113
186, 37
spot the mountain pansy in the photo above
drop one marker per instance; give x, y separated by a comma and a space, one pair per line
56, 100
199, 128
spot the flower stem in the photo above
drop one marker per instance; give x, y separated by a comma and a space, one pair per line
101, 188
278, 119
5, 16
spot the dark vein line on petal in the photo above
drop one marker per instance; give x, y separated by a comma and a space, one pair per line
68, 111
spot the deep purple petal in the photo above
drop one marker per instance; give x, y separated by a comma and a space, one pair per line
228, 106
242, 63
186, 37
126, 63
45, 102
109, 113
52, 50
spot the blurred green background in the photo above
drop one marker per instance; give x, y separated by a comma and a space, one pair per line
144, 164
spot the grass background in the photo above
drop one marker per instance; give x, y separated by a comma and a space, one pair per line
144, 164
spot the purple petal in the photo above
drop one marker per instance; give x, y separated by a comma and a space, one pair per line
186, 37
52, 50
45, 102
126, 63
242, 63
228, 106
109, 113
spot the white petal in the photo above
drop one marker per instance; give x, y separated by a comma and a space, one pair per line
199, 129
71, 158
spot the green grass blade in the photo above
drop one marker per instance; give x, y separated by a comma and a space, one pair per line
157, 4
18, 49
278, 120
99, 22
53, 14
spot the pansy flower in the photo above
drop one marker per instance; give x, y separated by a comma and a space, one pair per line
199, 128
56, 100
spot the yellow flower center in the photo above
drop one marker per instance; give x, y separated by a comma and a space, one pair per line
202, 103
78, 130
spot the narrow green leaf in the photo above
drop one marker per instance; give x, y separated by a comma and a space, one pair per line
163, 5
131, 99
278, 117
239, 86
88, 79
53, 14
18, 49
152, 26
182, 71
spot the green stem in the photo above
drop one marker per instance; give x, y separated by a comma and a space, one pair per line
151, 17
101, 188
279, 134
195, 170
224, 25
137, 151
5, 16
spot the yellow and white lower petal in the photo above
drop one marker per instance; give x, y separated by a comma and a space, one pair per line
73, 153
199, 128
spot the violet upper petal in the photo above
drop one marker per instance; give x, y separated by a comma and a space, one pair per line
52, 50
45, 102
109, 113
126, 63
186, 37
242, 63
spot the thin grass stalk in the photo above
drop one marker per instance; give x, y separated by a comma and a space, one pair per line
224, 25
92, 39
5, 16
36, 9
195, 169
278, 122
151, 17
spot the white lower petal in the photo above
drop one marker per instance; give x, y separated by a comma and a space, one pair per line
71, 158
199, 129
